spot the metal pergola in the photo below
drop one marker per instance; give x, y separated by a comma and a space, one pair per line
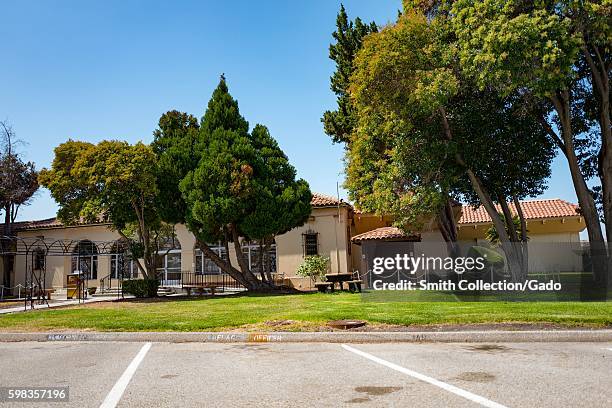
35, 250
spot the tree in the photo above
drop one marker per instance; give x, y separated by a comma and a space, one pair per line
314, 267
340, 124
234, 184
557, 54
281, 202
112, 181
18, 184
430, 132
174, 143
493, 237
349, 35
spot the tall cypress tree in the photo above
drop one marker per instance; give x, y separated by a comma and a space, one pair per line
349, 35
242, 186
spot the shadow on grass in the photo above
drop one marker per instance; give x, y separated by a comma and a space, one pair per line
246, 294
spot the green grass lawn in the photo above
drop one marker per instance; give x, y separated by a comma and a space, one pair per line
307, 311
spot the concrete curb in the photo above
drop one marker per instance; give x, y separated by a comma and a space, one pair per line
320, 337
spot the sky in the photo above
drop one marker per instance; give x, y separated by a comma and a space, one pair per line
107, 70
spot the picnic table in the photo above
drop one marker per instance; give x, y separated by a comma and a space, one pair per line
341, 278
354, 285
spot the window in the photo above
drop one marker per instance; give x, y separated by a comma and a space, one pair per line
85, 259
311, 243
205, 265
123, 267
170, 271
252, 251
39, 259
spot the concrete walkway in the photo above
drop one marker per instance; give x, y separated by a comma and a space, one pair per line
57, 303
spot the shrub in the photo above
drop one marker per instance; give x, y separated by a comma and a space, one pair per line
313, 267
141, 288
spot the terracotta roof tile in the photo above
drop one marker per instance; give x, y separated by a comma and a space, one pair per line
533, 209
322, 200
384, 233
48, 223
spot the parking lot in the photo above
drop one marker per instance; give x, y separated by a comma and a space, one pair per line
313, 374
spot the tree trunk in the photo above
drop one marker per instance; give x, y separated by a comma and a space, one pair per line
261, 261
225, 266
508, 218
524, 238
514, 238
598, 251
601, 84
267, 248
509, 249
487, 202
242, 262
605, 174
7, 260
448, 228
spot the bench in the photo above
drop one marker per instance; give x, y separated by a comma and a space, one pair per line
354, 286
200, 288
324, 286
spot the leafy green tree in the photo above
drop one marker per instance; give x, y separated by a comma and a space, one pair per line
314, 267
348, 37
18, 184
493, 237
113, 181
281, 202
557, 54
174, 143
340, 124
425, 131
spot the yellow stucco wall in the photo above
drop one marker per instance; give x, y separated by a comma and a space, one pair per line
333, 239
58, 266
534, 228
333, 234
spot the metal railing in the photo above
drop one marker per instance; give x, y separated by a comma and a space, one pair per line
185, 279
223, 281
106, 285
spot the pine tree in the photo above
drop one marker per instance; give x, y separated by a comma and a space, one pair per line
349, 35
242, 187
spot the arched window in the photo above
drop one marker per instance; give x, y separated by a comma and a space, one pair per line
205, 265
121, 264
85, 259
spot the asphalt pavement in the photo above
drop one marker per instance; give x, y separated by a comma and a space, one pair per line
313, 374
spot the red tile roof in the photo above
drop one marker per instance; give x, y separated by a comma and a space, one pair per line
533, 209
48, 223
318, 200
322, 200
384, 233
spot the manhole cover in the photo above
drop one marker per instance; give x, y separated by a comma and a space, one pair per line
346, 324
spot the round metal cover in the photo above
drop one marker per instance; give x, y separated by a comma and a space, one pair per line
346, 324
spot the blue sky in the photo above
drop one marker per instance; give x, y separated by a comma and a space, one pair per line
108, 70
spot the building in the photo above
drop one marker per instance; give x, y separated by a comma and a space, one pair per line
334, 229
553, 227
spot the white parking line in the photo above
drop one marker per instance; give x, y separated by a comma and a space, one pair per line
116, 392
450, 388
